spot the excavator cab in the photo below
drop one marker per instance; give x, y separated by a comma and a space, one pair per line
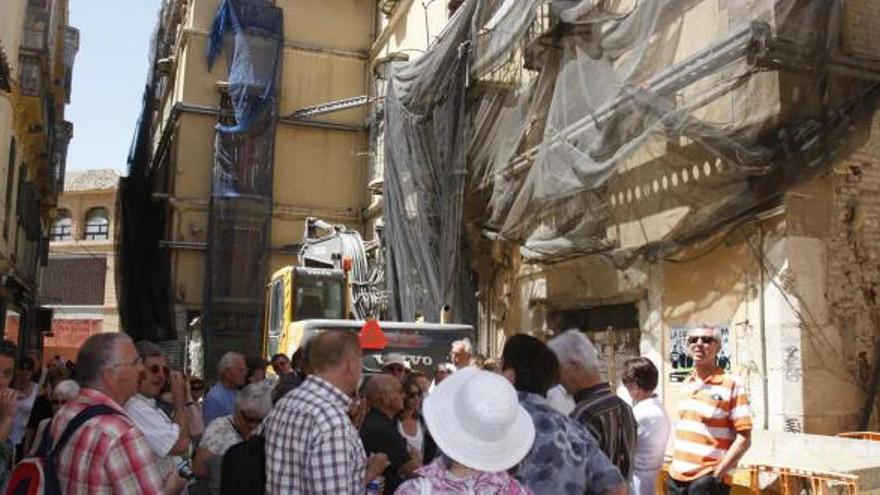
302, 293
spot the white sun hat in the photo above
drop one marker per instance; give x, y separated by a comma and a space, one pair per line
475, 418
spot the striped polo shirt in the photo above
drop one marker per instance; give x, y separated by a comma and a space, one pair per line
710, 413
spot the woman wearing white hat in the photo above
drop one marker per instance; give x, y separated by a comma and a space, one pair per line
478, 424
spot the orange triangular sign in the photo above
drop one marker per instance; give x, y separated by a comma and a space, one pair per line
372, 336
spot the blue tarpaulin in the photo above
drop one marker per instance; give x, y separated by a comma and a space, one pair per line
257, 29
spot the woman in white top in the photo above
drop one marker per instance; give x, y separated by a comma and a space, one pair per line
409, 421
640, 378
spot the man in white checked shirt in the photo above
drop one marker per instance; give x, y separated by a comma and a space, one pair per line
312, 447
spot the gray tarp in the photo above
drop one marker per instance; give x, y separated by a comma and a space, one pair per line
701, 111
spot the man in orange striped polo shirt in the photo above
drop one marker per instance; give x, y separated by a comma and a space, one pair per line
714, 423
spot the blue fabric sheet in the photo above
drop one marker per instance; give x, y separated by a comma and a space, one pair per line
257, 30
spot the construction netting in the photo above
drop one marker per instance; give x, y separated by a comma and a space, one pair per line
142, 287
240, 213
576, 120
425, 176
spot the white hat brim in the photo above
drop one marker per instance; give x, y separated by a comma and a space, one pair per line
499, 454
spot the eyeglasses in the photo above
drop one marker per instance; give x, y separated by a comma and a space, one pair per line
705, 339
155, 369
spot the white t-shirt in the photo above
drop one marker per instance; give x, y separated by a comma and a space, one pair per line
22, 414
161, 433
415, 442
560, 400
653, 435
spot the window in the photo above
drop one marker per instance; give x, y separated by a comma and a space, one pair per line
61, 227
97, 225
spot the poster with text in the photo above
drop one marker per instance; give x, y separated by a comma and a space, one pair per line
682, 362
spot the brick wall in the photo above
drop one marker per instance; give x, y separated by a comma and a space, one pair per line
861, 32
853, 269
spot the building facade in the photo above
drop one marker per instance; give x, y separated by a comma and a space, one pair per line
79, 283
37, 51
314, 163
791, 282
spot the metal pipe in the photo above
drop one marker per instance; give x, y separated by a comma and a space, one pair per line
763, 328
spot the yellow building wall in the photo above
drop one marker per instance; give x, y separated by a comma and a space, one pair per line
318, 172
423, 23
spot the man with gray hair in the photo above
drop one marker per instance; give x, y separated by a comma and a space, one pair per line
251, 406
461, 353
220, 400
167, 437
107, 453
597, 407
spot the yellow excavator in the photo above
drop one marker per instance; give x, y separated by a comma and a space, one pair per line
338, 285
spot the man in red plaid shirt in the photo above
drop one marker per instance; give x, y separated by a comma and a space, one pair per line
107, 454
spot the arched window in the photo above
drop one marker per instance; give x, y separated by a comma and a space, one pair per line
97, 225
62, 227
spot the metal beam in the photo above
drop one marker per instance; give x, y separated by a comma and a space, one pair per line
203, 110
329, 107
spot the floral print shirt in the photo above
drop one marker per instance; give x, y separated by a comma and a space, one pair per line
445, 483
565, 459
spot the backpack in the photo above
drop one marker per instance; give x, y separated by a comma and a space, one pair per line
38, 475
244, 468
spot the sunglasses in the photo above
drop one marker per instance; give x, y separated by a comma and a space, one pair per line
395, 368
155, 369
414, 395
702, 339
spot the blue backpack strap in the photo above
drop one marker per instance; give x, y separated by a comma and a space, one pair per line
79, 420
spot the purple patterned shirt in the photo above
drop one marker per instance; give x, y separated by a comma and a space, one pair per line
445, 483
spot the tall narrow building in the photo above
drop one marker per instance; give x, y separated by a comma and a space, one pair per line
253, 120
37, 52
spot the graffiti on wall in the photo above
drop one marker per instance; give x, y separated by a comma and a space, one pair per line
681, 362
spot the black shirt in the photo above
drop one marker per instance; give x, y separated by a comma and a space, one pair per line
379, 434
42, 410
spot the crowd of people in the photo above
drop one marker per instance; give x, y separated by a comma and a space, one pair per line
540, 420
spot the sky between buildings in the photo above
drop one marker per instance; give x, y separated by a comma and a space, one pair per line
108, 79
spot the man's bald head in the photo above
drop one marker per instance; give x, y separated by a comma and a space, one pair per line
385, 392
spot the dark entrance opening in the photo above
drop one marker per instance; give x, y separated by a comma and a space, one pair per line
613, 329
